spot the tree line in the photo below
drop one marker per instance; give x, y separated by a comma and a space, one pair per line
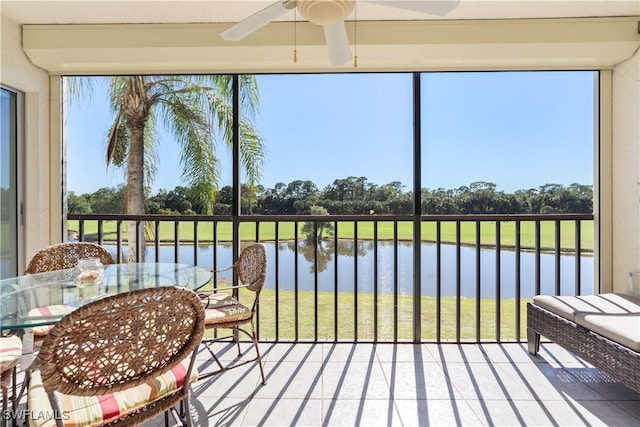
349, 196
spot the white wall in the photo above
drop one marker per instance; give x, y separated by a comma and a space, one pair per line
18, 73
626, 173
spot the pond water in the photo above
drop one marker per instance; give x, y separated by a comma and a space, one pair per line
348, 265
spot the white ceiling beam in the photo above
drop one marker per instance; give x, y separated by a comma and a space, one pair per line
580, 43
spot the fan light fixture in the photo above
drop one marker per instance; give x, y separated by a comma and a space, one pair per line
330, 14
322, 12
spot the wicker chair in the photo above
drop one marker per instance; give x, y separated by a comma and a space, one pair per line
66, 255
59, 257
120, 359
223, 311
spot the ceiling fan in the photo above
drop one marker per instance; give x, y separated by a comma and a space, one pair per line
330, 14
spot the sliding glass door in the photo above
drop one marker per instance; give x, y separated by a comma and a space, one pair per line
10, 201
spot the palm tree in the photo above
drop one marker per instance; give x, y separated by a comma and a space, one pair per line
196, 110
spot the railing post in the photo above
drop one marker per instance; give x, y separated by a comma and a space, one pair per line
236, 206
458, 277
518, 278
478, 292
157, 242
498, 279
578, 253
236, 203
140, 242
417, 212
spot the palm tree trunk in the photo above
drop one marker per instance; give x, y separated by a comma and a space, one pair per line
135, 190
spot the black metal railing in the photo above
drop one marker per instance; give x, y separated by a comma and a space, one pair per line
368, 279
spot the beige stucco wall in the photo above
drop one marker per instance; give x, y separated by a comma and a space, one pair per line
18, 73
626, 173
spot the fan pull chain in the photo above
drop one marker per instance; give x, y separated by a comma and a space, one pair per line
355, 35
295, 34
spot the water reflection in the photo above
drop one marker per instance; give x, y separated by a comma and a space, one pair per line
393, 271
326, 250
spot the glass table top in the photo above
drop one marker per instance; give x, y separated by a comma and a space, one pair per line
23, 298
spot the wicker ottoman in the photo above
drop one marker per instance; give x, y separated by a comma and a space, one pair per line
604, 330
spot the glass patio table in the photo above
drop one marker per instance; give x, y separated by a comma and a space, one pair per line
22, 297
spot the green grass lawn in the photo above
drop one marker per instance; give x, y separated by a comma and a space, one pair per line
345, 230
306, 317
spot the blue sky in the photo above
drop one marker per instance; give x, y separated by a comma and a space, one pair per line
518, 130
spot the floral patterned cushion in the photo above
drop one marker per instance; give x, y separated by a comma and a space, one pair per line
10, 352
96, 410
48, 310
222, 308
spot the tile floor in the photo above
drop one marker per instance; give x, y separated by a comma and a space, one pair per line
410, 385
413, 385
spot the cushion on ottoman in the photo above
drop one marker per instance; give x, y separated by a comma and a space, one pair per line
621, 328
568, 306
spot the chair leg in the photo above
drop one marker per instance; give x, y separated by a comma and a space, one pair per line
215, 358
222, 368
5, 401
186, 406
259, 360
533, 341
258, 357
15, 399
236, 338
180, 413
24, 388
6, 380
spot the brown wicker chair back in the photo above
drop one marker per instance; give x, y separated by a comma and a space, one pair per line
66, 255
128, 337
251, 266
122, 341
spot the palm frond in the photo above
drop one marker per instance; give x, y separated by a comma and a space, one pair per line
80, 88
117, 89
251, 152
221, 112
112, 139
204, 196
192, 130
251, 143
249, 95
151, 142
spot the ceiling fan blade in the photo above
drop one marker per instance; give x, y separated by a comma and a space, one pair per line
432, 7
337, 43
258, 20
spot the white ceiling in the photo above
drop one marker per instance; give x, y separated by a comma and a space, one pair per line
228, 11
